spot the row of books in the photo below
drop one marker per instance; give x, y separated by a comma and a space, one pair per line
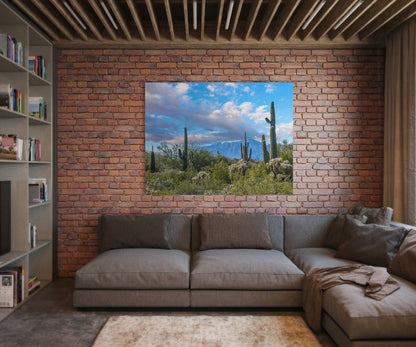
11, 98
15, 148
33, 284
11, 286
38, 190
11, 48
32, 235
37, 65
37, 107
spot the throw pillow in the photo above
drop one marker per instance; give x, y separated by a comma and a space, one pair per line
404, 263
371, 243
336, 235
234, 231
380, 215
134, 231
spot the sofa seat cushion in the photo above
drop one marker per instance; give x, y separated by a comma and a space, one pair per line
244, 269
308, 259
362, 318
136, 268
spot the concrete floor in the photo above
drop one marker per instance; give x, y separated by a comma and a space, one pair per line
49, 319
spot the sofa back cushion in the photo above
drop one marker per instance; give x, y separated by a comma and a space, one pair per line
404, 263
234, 231
144, 231
372, 244
275, 223
305, 231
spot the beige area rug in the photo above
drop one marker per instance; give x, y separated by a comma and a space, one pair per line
205, 330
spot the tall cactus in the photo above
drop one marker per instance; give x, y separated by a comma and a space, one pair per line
152, 161
273, 142
184, 154
266, 155
244, 149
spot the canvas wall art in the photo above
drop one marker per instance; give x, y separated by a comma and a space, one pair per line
219, 138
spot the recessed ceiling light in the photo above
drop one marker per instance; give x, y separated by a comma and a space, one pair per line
110, 17
313, 14
229, 13
348, 14
80, 22
195, 14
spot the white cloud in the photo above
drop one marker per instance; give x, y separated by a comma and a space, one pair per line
269, 88
283, 131
211, 88
233, 85
246, 89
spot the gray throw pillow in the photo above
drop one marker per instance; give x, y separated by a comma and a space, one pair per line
380, 215
404, 263
134, 231
336, 235
234, 231
370, 243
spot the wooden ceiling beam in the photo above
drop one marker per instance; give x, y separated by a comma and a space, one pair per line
23, 6
203, 7
186, 19
284, 17
328, 23
170, 21
64, 12
120, 19
77, 7
268, 17
52, 18
137, 21
304, 10
236, 18
219, 19
153, 18
372, 13
332, 34
329, 5
398, 7
254, 10
396, 21
102, 18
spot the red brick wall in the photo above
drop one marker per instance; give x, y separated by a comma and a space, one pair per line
338, 133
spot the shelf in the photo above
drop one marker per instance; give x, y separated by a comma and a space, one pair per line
8, 65
33, 205
39, 162
8, 161
40, 244
11, 257
6, 113
37, 121
35, 80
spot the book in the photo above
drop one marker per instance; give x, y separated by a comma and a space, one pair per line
11, 98
38, 190
36, 64
37, 107
8, 147
33, 286
6, 290
3, 44
18, 276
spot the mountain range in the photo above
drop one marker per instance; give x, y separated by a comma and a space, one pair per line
231, 149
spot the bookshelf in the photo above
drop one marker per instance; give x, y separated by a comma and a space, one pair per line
33, 260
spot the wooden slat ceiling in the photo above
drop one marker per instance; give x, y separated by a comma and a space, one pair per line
252, 23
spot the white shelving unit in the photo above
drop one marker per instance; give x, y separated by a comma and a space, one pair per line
35, 261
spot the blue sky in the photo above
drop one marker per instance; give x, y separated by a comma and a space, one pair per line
215, 112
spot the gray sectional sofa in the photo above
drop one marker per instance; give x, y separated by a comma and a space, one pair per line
180, 267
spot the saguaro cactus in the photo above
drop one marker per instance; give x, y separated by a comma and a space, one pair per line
273, 142
244, 149
184, 154
152, 161
266, 155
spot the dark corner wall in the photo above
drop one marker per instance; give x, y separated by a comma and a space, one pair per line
338, 133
